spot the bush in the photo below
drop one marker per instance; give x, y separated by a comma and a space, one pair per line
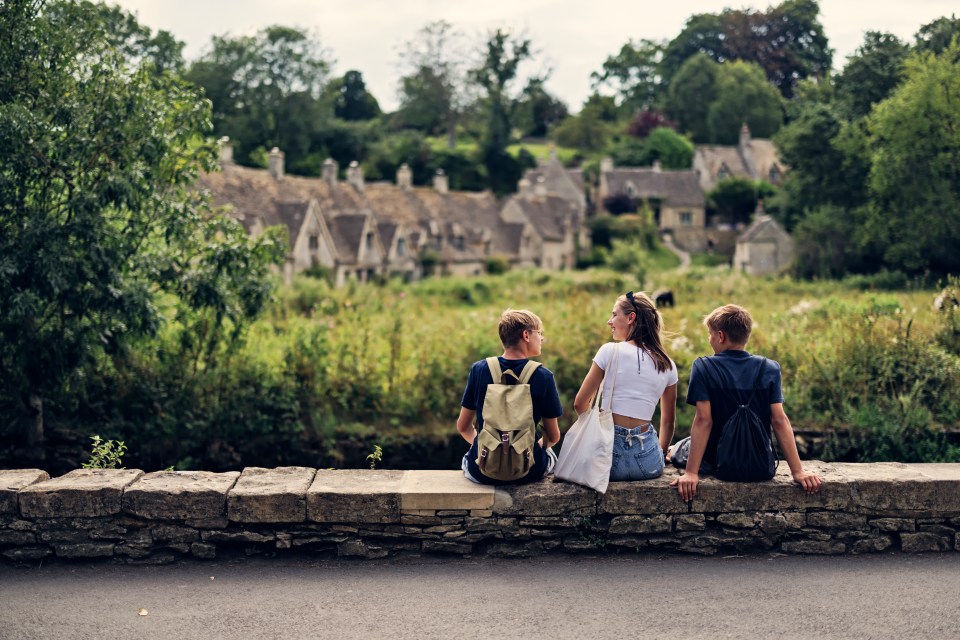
495, 265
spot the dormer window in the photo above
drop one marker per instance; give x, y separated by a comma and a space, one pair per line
369, 241
775, 174
401, 246
313, 242
723, 173
631, 190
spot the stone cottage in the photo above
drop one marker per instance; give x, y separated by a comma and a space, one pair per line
751, 158
676, 198
764, 247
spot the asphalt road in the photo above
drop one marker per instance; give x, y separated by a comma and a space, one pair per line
629, 597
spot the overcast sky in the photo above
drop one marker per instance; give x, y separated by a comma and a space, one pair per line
574, 37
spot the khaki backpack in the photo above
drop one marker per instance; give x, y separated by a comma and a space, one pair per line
505, 445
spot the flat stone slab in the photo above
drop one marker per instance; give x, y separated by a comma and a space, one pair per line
180, 495
355, 495
12, 481
270, 495
82, 492
443, 490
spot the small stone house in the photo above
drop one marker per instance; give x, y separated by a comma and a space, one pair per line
676, 198
555, 220
764, 247
751, 158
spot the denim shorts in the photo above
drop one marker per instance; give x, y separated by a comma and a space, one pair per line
636, 455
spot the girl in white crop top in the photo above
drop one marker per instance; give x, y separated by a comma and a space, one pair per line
644, 375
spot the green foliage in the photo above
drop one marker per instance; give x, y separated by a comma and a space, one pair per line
735, 199
376, 457
105, 454
665, 145
743, 95
633, 73
495, 265
350, 98
872, 73
691, 93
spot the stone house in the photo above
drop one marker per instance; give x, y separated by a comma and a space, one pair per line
764, 247
751, 158
552, 178
676, 198
555, 220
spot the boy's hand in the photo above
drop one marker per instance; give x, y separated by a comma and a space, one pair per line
809, 481
686, 485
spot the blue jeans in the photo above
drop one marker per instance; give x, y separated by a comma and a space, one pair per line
636, 454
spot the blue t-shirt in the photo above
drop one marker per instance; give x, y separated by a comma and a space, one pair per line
739, 371
546, 404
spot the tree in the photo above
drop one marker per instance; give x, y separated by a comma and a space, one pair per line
265, 89
871, 73
735, 199
915, 166
935, 37
787, 41
633, 74
664, 145
433, 87
99, 217
646, 121
743, 96
691, 93
350, 98
497, 70
537, 112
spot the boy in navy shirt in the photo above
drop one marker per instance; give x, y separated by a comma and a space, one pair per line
521, 333
729, 328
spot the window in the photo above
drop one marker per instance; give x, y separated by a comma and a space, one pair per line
631, 190
401, 247
369, 241
459, 243
723, 173
313, 242
686, 217
775, 174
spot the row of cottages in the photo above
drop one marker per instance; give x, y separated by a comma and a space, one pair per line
361, 230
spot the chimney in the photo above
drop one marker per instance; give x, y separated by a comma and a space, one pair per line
226, 151
355, 175
275, 163
404, 177
440, 182
657, 167
744, 136
524, 188
540, 189
745, 151
606, 165
330, 171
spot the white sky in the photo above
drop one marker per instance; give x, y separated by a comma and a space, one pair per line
574, 37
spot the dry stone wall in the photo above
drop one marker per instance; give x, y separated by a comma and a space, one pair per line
130, 516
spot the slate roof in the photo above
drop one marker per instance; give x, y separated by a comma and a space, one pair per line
347, 232
546, 214
763, 228
674, 187
291, 215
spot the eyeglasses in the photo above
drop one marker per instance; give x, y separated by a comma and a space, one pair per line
540, 331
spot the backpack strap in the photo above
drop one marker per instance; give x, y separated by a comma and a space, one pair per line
756, 382
722, 378
528, 370
494, 365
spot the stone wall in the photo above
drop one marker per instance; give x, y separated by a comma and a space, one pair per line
130, 516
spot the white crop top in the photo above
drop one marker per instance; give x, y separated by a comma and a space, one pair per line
638, 387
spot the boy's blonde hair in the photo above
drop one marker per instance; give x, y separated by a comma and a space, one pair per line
513, 322
733, 320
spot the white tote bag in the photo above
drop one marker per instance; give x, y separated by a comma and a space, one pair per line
587, 452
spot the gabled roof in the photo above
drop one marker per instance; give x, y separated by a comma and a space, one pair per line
291, 215
675, 187
716, 156
547, 214
347, 232
763, 228
387, 230
566, 183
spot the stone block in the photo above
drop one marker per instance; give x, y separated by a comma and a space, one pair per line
545, 498
647, 497
12, 481
355, 496
179, 495
938, 529
203, 550
451, 513
62, 535
738, 520
25, 554
443, 491
527, 550
621, 525
82, 492
921, 542
481, 513
174, 534
819, 547
550, 521
440, 546
893, 524
84, 550
208, 523
834, 520
236, 536
18, 537
874, 544
360, 549
782, 494
422, 521
774, 524
689, 522
270, 495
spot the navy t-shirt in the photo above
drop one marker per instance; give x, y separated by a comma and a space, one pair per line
726, 390
546, 404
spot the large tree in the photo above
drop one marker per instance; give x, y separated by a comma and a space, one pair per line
691, 93
915, 168
634, 74
787, 41
743, 96
99, 217
495, 74
871, 73
265, 89
350, 98
433, 87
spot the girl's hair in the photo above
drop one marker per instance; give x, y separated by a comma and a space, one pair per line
648, 327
